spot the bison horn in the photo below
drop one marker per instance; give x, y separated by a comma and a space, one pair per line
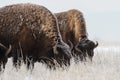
8, 50
1, 45
71, 44
55, 50
96, 44
77, 49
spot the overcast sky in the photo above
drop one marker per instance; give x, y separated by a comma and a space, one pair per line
102, 16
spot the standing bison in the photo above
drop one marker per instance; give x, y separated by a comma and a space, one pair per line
73, 30
30, 32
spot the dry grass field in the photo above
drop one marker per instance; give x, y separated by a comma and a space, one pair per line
105, 66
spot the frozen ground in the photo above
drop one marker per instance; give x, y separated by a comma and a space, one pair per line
105, 66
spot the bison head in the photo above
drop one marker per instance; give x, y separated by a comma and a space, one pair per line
85, 49
62, 52
4, 51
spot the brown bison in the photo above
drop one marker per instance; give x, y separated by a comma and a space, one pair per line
32, 33
73, 30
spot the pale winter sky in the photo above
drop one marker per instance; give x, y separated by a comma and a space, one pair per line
102, 16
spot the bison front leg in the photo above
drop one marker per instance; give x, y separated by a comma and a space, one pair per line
17, 60
29, 61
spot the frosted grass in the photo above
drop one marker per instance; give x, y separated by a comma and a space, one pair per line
105, 66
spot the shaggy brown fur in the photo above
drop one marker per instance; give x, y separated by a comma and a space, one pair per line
72, 25
73, 28
32, 30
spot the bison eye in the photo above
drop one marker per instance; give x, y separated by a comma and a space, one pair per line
81, 46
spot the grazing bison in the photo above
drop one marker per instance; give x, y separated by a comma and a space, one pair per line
73, 30
33, 33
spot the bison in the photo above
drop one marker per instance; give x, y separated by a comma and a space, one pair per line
73, 30
30, 33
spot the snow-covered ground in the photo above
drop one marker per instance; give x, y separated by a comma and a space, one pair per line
105, 66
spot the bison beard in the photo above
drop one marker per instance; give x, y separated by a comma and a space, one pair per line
33, 33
